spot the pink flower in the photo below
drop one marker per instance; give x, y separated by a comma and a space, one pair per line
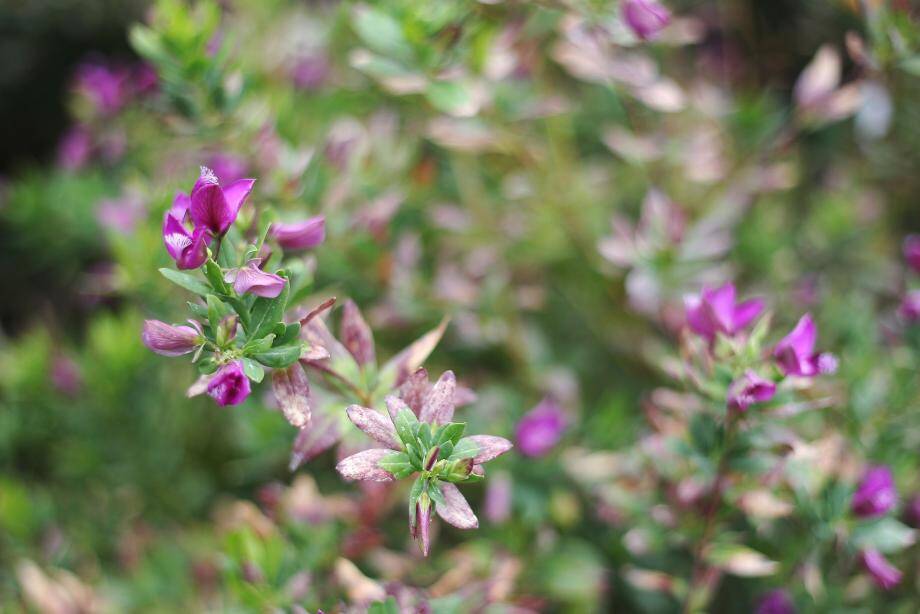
909, 309
775, 602
795, 353
229, 386
912, 251
74, 148
215, 207
252, 279
540, 429
748, 390
305, 234
876, 494
188, 249
715, 311
121, 214
104, 85
646, 18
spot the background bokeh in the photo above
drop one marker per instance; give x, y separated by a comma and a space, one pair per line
470, 159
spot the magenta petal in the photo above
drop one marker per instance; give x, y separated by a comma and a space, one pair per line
169, 340
236, 193
456, 510
646, 18
876, 494
229, 386
300, 235
180, 206
720, 307
254, 280
375, 425
885, 575
794, 353
748, 390
357, 335
175, 236
696, 317
747, 312
490, 447
364, 466
209, 208
195, 254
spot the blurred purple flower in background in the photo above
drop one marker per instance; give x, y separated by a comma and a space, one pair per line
168, 340
912, 251
910, 306
795, 353
748, 390
104, 84
65, 375
876, 493
538, 432
885, 575
300, 235
646, 18
75, 148
775, 602
497, 503
229, 167
716, 311
229, 386
121, 214
215, 207
252, 279
310, 72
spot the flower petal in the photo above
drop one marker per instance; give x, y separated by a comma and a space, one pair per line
254, 280
746, 312
394, 406
412, 357
375, 425
414, 390
456, 511
209, 208
439, 404
236, 193
490, 447
321, 434
357, 335
363, 466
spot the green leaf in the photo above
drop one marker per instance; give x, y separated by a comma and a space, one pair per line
215, 277
258, 346
465, 448
450, 97
290, 333
384, 607
451, 432
424, 435
199, 311
381, 32
266, 312
398, 464
885, 535
434, 491
405, 420
216, 311
184, 280
253, 370
279, 357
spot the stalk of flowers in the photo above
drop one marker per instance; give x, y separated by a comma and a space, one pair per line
430, 445
238, 326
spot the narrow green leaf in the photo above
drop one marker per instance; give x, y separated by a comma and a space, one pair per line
184, 280
279, 357
465, 448
398, 464
215, 277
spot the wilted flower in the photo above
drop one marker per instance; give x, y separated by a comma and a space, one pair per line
910, 306
715, 311
748, 390
250, 278
775, 602
912, 251
876, 494
229, 386
541, 428
885, 575
430, 445
188, 249
215, 207
169, 340
646, 18
300, 235
795, 353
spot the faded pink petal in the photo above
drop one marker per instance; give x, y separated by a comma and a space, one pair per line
254, 280
490, 447
456, 511
375, 425
356, 334
364, 466
292, 390
439, 404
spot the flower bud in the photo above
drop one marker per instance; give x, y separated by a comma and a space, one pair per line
300, 235
169, 340
421, 523
540, 430
885, 575
229, 386
459, 470
432, 458
646, 18
226, 330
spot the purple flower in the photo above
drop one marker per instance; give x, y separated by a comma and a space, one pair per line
75, 148
876, 493
229, 167
254, 280
65, 376
121, 214
748, 390
715, 311
310, 72
144, 79
215, 207
910, 306
300, 235
169, 340
884, 573
188, 249
795, 353
498, 498
104, 85
541, 428
646, 18
912, 251
229, 386
775, 602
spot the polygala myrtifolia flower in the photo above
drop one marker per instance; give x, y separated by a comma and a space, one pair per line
300, 235
646, 18
876, 494
253, 280
229, 386
795, 353
885, 575
429, 445
716, 311
189, 248
538, 432
775, 602
912, 251
215, 207
169, 340
748, 390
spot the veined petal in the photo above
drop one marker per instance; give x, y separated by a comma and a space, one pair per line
292, 390
254, 280
180, 206
439, 404
490, 447
175, 236
414, 390
363, 466
194, 255
209, 208
375, 425
456, 511
236, 193
394, 406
